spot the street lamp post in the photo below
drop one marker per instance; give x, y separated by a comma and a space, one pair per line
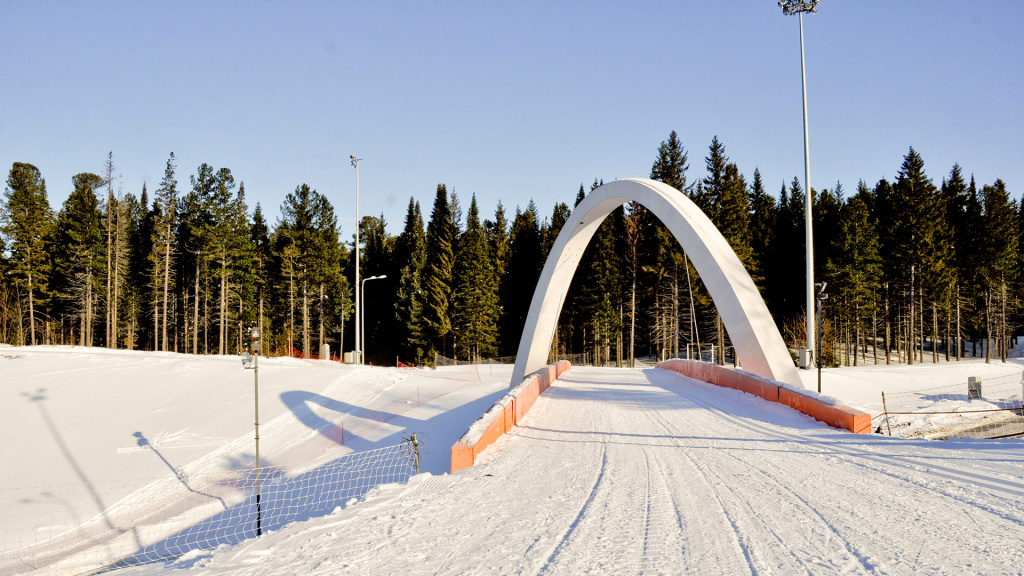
798, 7
358, 348
362, 321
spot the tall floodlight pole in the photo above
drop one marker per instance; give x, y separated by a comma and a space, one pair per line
358, 350
798, 7
362, 324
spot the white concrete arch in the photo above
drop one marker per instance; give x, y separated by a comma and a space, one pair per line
753, 332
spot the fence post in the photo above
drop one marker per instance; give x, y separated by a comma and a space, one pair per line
886, 410
415, 451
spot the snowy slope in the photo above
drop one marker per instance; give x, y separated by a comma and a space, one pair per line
89, 428
619, 471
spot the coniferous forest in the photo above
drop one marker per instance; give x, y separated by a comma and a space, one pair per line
918, 268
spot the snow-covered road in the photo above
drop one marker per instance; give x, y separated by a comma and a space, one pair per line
628, 471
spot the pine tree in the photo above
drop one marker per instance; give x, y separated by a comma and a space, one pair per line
998, 261
196, 251
916, 260
854, 270
437, 274
26, 220
379, 304
410, 252
498, 240
141, 267
520, 278
166, 204
77, 265
763, 216
475, 298
259, 238
307, 267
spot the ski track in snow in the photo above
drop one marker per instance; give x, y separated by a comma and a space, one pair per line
647, 472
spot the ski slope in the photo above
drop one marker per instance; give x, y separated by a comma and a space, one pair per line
88, 431
644, 471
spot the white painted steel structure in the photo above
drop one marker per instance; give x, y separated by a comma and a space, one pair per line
754, 335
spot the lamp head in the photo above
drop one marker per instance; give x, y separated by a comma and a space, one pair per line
790, 7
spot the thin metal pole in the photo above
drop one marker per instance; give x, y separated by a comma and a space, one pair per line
359, 350
808, 199
362, 320
886, 410
256, 380
817, 357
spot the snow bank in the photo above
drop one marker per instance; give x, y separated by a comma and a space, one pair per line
817, 406
503, 415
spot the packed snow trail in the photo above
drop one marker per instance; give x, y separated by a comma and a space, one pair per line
647, 472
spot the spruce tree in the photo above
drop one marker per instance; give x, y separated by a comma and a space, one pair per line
410, 253
77, 265
437, 275
166, 205
763, 216
998, 262
520, 278
259, 238
26, 220
475, 298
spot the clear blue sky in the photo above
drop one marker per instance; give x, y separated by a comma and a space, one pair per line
506, 100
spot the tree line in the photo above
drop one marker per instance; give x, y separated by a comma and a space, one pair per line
915, 270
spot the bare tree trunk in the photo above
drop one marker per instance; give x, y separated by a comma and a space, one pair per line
156, 320
321, 328
1003, 336
920, 307
31, 311
110, 230
959, 339
632, 322
888, 341
675, 312
987, 345
195, 312
947, 339
222, 334
291, 311
167, 283
874, 332
305, 320
910, 329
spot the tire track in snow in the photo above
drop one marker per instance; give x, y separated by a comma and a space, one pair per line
820, 449
1010, 487
809, 511
884, 463
740, 538
579, 517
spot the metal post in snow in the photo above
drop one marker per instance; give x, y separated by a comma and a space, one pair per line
886, 410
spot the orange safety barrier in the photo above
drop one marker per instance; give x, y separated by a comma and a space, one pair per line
516, 405
837, 415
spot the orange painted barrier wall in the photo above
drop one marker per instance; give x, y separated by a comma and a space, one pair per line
837, 416
516, 405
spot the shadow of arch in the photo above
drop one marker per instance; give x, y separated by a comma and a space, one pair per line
753, 332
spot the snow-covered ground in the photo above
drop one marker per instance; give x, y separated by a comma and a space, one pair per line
942, 405
614, 471
88, 428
